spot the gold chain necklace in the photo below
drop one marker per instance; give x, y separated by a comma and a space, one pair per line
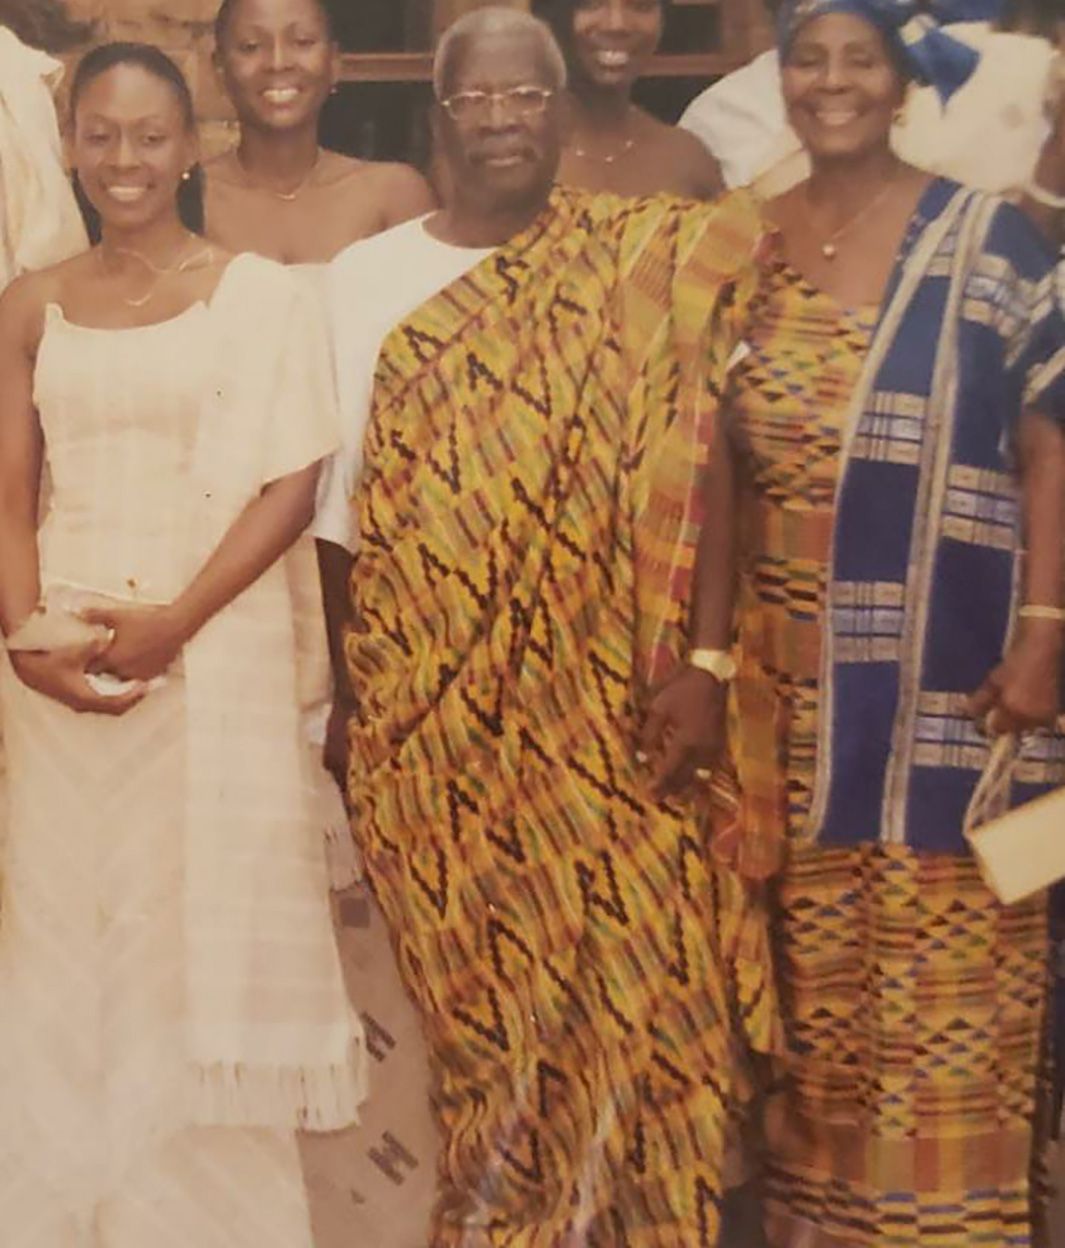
828, 244
286, 197
206, 254
611, 158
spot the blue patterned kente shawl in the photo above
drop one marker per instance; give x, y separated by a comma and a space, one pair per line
924, 573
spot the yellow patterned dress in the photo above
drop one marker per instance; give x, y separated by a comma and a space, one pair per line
913, 1002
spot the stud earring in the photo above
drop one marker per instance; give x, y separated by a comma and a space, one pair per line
186, 175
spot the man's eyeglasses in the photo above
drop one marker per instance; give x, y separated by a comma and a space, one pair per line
518, 102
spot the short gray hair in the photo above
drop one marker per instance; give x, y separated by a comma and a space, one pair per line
495, 20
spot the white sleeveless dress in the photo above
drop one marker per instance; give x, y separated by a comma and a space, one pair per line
101, 1143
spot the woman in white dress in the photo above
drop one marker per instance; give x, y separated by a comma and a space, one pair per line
173, 1008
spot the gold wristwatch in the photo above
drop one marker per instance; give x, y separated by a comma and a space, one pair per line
719, 663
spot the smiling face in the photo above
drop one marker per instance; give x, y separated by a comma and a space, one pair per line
132, 140
612, 41
278, 62
503, 152
841, 86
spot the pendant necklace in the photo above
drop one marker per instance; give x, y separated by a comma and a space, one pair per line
828, 246
206, 255
286, 197
611, 158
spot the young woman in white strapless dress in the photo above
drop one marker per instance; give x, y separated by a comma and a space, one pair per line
173, 1007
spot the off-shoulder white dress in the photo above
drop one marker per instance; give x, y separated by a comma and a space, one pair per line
171, 1004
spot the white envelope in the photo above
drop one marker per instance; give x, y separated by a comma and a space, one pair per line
1023, 851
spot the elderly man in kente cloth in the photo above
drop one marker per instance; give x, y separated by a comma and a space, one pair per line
529, 378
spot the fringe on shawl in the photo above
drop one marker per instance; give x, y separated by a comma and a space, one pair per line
318, 1099
343, 857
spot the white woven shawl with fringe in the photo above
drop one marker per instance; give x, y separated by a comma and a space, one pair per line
271, 1035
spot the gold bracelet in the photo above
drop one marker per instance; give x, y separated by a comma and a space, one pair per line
1049, 199
1032, 611
719, 663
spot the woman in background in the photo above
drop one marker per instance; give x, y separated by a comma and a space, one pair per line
278, 192
173, 1008
283, 196
614, 144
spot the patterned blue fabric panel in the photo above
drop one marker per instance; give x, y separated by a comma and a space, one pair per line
927, 534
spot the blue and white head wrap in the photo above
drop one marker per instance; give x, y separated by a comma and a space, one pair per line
914, 32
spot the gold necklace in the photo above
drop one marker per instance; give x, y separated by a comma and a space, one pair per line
828, 245
611, 158
286, 197
206, 254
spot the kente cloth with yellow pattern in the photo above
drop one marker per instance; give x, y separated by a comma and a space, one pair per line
908, 1110
587, 981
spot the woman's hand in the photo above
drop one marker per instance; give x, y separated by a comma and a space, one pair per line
145, 641
684, 730
61, 675
1023, 691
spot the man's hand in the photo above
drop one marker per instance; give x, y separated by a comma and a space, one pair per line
684, 730
335, 750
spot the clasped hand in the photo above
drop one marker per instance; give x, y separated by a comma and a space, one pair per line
134, 643
144, 641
